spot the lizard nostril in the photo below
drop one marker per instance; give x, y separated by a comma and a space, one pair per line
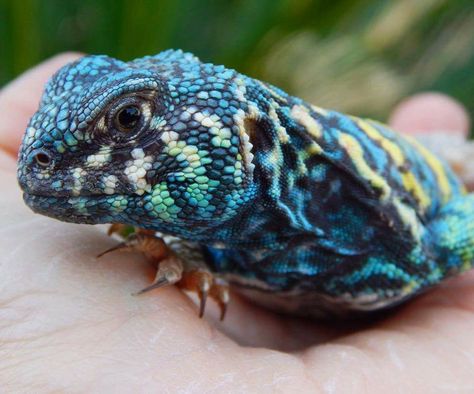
43, 159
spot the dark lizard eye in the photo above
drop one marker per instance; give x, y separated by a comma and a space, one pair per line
127, 118
43, 159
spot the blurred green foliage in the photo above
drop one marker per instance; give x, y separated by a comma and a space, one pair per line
359, 56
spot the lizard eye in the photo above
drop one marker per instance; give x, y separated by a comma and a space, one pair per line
127, 118
42, 159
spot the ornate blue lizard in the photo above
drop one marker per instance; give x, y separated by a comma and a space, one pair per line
301, 208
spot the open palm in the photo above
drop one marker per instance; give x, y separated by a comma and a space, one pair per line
69, 321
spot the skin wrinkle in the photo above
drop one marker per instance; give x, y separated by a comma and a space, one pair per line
130, 319
290, 361
425, 335
310, 379
168, 309
371, 344
32, 338
340, 352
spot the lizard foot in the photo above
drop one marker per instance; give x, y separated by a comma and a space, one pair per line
188, 275
206, 284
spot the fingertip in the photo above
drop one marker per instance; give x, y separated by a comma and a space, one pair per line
19, 99
48, 67
428, 112
33, 80
65, 57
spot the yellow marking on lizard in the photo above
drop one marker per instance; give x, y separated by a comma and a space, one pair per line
313, 149
301, 114
356, 153
436, 167
408, 217
410, 182
389, 146
410, 287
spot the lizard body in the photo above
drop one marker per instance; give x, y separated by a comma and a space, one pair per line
302, 208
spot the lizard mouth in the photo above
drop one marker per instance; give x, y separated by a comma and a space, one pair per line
91, 209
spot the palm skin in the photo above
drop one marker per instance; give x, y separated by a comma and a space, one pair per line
69, 321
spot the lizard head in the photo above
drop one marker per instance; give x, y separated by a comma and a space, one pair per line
156, 142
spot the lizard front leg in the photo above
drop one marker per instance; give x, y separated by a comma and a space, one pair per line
189, 273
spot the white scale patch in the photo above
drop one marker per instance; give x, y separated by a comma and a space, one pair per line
168, 136
101, 157
146, 111
110, 183
241, 90
101, 124
78, 174
208, 120
136, 170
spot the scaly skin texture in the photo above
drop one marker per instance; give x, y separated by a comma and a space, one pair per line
304, 209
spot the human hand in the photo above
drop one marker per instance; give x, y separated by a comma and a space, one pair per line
69, 321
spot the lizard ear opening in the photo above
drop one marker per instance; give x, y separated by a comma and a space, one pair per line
255, 139
258, 134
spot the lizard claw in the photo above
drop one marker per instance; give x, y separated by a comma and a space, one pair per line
205, 284
220, 293
199, 281
187, 275
153, 247
122, 246
155, 285
169, 272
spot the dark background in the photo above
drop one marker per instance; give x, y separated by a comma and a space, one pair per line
358, 56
